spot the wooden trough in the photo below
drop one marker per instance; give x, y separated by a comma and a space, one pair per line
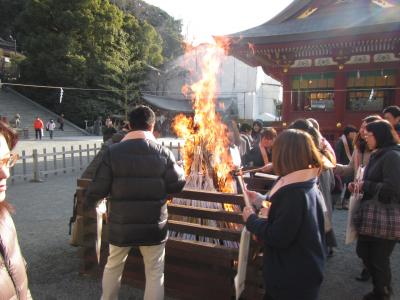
193, 269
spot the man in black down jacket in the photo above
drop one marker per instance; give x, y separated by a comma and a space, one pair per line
137, 174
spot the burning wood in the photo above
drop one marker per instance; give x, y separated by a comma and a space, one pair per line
206, 155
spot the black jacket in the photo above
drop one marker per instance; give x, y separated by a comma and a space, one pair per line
383, 172
254, 158
137, 174
293, 237
341, 156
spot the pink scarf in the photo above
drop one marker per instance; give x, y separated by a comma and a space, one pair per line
139, 134
294, 177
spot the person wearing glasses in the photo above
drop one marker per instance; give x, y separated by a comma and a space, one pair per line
13, 278
381, 178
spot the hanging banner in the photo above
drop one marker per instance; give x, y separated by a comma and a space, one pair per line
61, 94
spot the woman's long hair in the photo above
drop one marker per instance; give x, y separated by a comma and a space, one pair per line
11, 138
359, 143
295, 150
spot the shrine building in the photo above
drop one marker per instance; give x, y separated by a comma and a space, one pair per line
338, 60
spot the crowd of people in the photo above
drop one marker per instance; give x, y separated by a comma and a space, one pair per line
295, 228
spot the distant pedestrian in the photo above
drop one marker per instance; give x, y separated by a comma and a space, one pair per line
97, 126
256, 132
60, 121
108, 130
38, 125
50, 126
246, 140
17, 121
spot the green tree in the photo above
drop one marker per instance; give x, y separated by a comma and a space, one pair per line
86, 44
168, 28
9, 12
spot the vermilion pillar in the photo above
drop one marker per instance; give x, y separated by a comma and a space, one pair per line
340, 95
397, 98
286, 107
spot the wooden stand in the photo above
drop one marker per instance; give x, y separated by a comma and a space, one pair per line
193, 269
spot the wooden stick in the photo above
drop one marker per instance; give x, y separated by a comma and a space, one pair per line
245, 196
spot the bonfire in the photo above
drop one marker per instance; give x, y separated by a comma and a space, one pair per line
207, 161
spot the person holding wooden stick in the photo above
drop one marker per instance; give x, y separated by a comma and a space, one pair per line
292, 229
261, 154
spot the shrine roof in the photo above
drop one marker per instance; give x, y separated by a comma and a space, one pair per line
311, 19
6, 44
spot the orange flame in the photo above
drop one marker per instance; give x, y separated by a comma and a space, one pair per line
206, 128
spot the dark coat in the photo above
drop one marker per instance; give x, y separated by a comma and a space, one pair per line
341, 156
382, 172
293, 237
13, 278
137, 174
254, 158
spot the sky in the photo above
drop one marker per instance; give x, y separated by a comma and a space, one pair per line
204, 18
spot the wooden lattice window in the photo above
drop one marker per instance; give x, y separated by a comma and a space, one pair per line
313, 92
370, 90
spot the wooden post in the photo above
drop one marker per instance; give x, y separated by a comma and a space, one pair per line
45, 161
287, 98
179, 151
95, 149
72, 158
12, 172
55, 159
36, 175
24, 164
340, 96
80, 157
64, 161
88, 153
397, 95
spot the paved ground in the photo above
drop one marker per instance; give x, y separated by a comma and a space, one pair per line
43, 211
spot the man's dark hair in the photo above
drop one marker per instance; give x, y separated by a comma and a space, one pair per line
301, 124
268, 133
307, 126
142, 118
348, 129
245, 127
383, 132
394, 110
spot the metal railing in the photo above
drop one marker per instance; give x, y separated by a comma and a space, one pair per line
39, 165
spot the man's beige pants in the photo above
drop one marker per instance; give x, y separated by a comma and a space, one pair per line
153, 258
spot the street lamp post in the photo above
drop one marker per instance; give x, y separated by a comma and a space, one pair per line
15, 44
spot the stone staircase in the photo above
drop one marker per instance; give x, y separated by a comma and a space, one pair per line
12, 102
